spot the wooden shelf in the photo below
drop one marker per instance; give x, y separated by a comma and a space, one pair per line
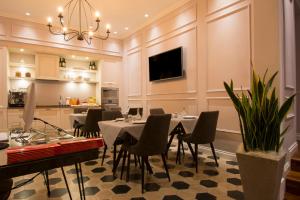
78, 70
68, 80
12, 64
21, 78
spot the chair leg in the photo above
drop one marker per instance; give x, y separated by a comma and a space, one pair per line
114, 155
128, 168
169, 144
182, 148
149, 168
192, 151
142, 170
165, 165
103, 155
214, 153
135, 162
118, 161
196, 157
178, 159
123, 164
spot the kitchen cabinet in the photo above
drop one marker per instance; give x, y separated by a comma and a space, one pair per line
15, 118
111, 73
3, 119
65, 118
47, 67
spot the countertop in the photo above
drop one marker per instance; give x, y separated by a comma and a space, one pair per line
59, 106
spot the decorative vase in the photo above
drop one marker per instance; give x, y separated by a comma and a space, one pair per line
261, 173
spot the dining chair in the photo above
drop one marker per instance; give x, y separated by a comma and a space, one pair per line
134, 111
106, 116
76, 124
153, 141
91, 128
203, 133
157, 111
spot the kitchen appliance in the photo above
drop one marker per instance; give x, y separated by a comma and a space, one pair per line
109, 97
16, 98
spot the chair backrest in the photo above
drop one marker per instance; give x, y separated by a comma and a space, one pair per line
134, 111
157, 111
205, 129
80, 110
111, 115
154, 137
92, 119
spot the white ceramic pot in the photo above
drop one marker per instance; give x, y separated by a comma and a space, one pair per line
261, 173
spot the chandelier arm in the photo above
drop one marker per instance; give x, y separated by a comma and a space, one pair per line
61, 21
53, 32
86, 19
73, 11
71, 37
97, 27
88, 3
89, 40
103, 38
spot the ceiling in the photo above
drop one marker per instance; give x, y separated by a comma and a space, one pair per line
118, 13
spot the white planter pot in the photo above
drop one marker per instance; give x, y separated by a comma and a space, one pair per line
261, 173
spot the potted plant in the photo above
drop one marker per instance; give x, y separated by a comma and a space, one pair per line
261, 158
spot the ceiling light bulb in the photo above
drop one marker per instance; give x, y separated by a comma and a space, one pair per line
91, 33
27, 14
108, 26
49, 19
146, 15
97, 14
65, 29
60, 9
22, 50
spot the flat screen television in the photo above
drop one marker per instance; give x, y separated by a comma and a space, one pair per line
166, 65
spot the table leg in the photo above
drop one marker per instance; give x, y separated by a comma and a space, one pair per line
81, 177
78, 180
46, 178
66, 182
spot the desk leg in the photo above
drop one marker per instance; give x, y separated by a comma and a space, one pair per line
78, 180
82, 183
66, 182
46, 178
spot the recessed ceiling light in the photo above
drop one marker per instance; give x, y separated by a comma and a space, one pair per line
73, 56
22, 50
27, 14
126, 28
146, 15
115, 32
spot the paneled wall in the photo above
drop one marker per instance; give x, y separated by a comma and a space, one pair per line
38, 34
216, 40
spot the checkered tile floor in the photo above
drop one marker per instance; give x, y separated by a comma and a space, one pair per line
209, 183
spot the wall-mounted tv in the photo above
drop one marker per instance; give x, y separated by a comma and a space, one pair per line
166, 65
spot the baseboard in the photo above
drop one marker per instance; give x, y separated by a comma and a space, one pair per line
221, 153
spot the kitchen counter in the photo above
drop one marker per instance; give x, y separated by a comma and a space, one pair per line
60, 106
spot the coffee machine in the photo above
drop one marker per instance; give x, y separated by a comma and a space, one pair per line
16, 98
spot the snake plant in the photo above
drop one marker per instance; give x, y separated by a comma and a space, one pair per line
260, 114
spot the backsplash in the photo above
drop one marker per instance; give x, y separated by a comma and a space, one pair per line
49, 92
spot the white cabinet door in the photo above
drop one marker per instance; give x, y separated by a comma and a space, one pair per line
111, 73
47, 67
3, 119
15, 118
65, 118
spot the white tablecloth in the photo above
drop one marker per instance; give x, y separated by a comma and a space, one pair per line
80, 117
112, 129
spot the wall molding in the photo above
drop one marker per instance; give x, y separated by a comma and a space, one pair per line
172, 93
173, 34
218, 98
225, 154
223, 90
224, 7
170, 16
229, 11
173, 99
228, 131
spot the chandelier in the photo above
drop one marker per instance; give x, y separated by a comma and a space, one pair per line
87, 20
